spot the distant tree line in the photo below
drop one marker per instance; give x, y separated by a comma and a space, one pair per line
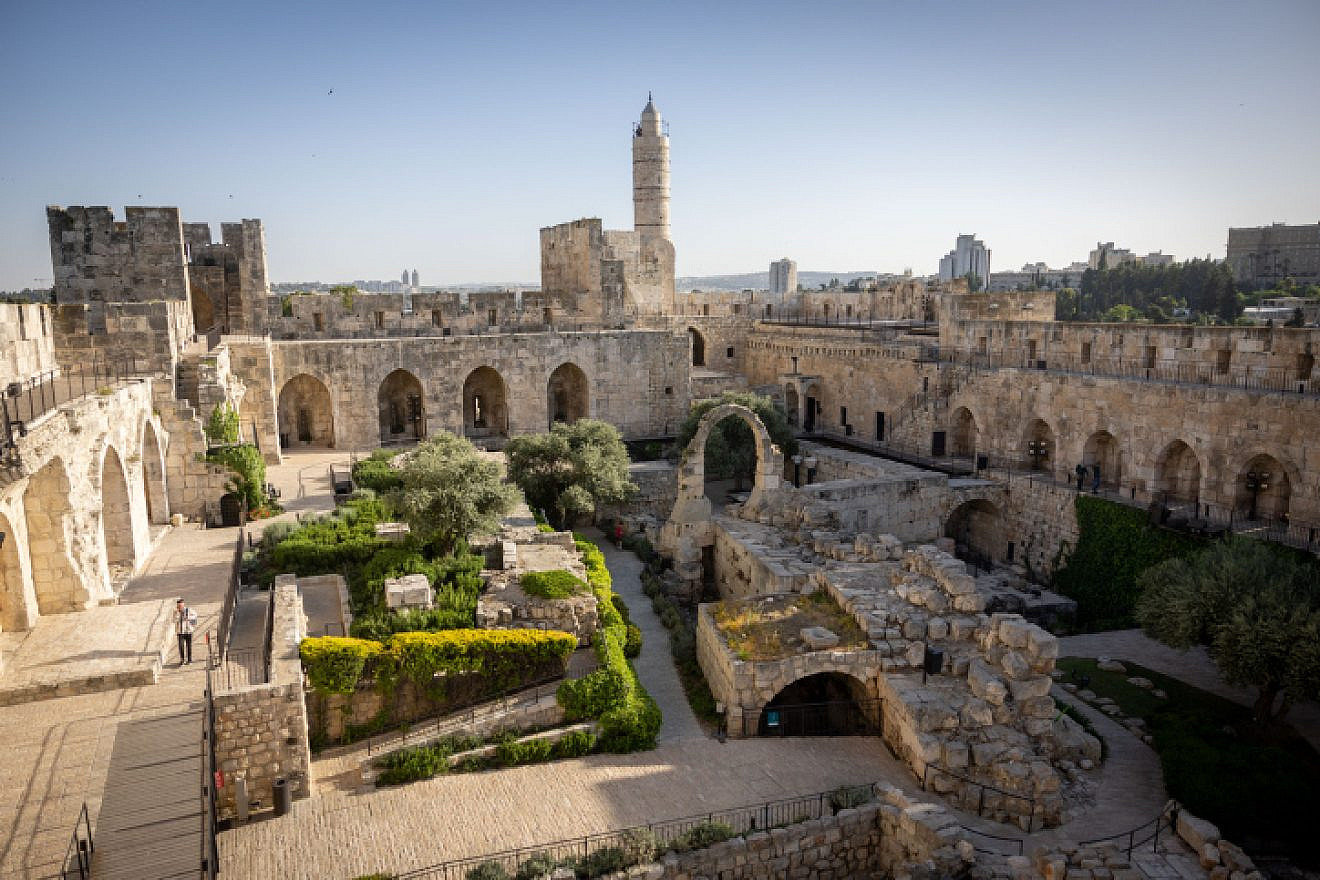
1133, 292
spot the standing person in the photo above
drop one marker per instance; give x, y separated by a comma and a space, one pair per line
1080, 471
618, 535
1095, 483
185, 621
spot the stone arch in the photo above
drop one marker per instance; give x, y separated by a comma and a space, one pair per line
153, 476
306, 413
18, 605
1039, 437
977, 528
568, 395
46, 507
485, 406
791, 403
116, 512
698, 347
820, 704
688, 528
1262, 488
1178, 476
401, 406
963, 433
812, 406
1102, 449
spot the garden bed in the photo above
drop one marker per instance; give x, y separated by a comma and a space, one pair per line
770, 627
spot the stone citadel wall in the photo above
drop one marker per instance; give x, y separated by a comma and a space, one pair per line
27, 345
636, 380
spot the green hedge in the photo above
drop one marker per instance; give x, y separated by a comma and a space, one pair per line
1115, 545
375, 472
629, 718
502, 657
556, 584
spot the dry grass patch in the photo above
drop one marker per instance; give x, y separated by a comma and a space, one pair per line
769, 627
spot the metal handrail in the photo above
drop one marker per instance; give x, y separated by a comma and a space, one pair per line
1131, 834
1020, 841
78, 855
498, 703
980, 803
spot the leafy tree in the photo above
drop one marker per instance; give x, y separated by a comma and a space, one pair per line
222, 426
249, 469
572, 469
731, 446
450, 491
1254, 607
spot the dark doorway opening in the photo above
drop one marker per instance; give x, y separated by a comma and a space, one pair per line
825, 704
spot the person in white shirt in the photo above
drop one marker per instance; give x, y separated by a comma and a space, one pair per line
185, 621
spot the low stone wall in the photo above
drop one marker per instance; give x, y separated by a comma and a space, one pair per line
890, 837
907, 504
261, 730
657, 489
751, 560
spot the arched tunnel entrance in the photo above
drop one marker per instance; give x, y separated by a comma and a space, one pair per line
824, 704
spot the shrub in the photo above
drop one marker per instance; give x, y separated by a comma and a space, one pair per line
848, 796
488, 871
575, 744
603, 861
557, 584
632, 645
376, 473
502, 657
536, 867
222, 426
249, 469
701, 836
410, 765
334, 665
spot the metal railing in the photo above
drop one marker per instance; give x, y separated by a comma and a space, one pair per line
740, 820
833, 718
1146, 832
210, 856
242, 668
1012, 846
231, 593
1030, 800
78, 855
32, 398
489, 707
1279, 379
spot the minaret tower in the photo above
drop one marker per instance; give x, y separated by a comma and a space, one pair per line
651, 174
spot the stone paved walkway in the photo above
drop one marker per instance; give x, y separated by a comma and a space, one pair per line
655, 666
1193, 667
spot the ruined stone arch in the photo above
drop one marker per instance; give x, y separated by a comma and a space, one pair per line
153, 476
1039, 432
963, 433
46, 507
977, 528
1178, 476
18, 603
568, 394
1271, 502
116, 513
306, 413
698, 347
485, 404
819, 703
401, 407
1102, 449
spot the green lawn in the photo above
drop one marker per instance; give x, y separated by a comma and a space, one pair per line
1259, 790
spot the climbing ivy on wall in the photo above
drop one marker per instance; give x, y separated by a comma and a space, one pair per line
1115, 544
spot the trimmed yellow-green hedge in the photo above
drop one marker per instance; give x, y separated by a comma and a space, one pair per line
556, 584
502, 656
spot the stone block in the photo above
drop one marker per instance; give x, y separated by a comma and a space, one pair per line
819, 638
1195, 832
1209, 855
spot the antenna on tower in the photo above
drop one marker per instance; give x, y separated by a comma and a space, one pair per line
648, 96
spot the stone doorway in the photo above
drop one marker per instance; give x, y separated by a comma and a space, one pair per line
1262, 490
306, 414
1102, 449
485, 410
824, 704
698, 347
567, 394
977, 529
400, 407
153, 477
1178, 478
116, 515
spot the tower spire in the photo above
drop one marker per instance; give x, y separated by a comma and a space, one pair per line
651, 173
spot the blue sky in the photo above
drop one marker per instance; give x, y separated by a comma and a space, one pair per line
845, 135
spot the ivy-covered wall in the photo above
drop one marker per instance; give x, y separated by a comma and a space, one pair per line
1115, 544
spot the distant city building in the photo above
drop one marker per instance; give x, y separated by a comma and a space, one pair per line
1035, 276
1112, 257
968, 255
416, 281
1265, 255
783, 277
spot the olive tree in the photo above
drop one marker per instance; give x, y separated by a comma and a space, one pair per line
1254, 607
449, 491
571, 470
